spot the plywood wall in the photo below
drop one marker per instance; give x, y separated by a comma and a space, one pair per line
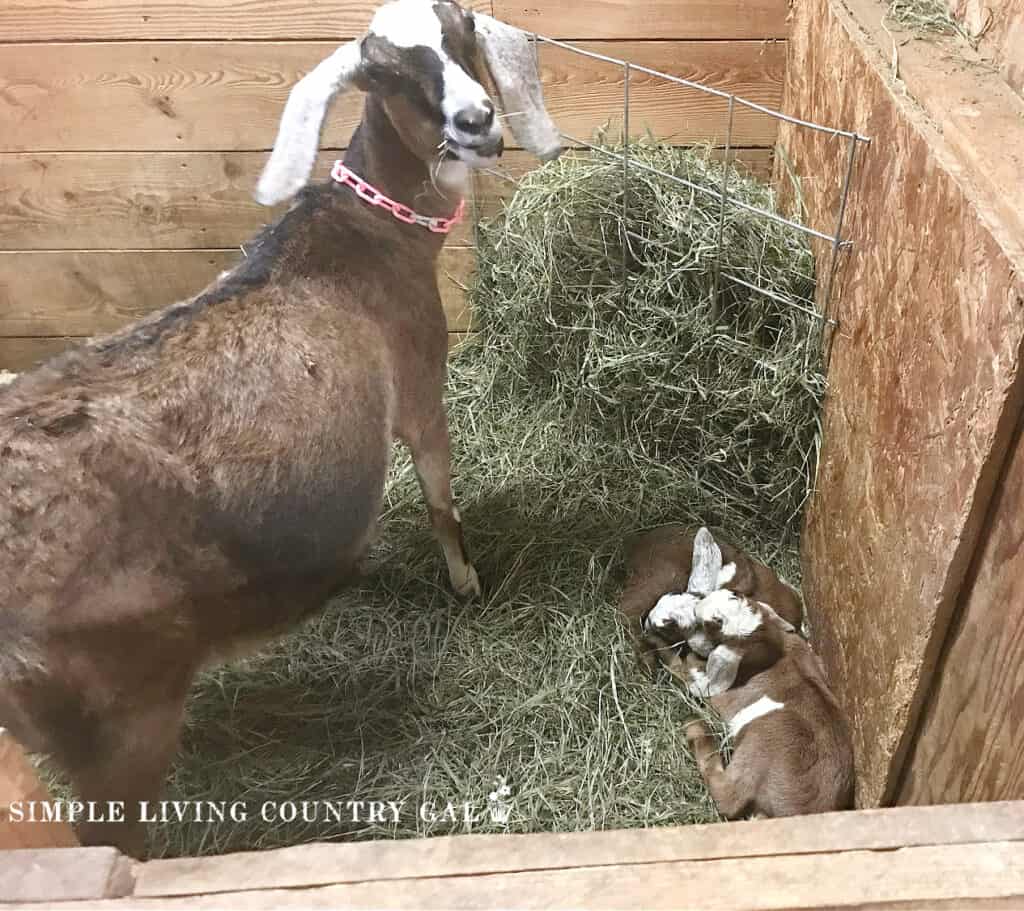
925, 388
998, 28
132, 131
970, 744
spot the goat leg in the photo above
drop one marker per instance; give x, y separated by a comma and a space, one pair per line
432, 457
128, 766
724, 784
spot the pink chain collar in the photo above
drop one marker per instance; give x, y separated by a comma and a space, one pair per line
374, 197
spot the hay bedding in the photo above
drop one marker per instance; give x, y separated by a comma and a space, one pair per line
578, 415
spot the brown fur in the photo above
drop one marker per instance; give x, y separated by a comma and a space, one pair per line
659, 561
794, 760
208, 476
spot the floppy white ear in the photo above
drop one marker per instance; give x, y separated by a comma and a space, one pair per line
298, 138
706, 564
513, 66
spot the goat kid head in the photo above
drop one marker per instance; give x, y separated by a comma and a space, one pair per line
423, 60
708, 613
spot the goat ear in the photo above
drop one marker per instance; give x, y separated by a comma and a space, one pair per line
511, 61
298, 138
770, 612
706, 564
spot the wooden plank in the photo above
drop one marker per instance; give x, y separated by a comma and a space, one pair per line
140, 200
979, 116
80, 293
925, 382
478, 855
64, 875
700, 19
990, 870
970, 745
999, 28
184, 96
19, 785
20, 354
103, 200
149, 20
165, 200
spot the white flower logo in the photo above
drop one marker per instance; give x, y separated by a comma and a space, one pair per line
498, 802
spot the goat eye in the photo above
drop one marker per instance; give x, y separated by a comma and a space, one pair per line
470, 22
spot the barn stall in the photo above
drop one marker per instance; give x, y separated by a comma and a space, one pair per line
915, 494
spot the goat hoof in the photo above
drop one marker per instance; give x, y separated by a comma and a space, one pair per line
470, 585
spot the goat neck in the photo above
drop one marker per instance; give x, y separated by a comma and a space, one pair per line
378, 155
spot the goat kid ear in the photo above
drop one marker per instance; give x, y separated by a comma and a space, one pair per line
511, 61
706, 564
770, 613
298, 138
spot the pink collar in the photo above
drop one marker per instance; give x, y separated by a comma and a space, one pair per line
403, 213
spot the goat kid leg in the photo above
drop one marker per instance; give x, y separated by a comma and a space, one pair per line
730, 795
431, 455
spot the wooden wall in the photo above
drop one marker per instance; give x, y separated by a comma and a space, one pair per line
925, 392
970, 745
999, 29
132, 131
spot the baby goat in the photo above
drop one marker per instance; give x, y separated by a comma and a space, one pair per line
206, 477
792, 752
669, 569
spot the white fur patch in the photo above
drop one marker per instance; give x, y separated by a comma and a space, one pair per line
409, 23
461, 92
732, 611
454, 174
677, 609
726, 574
757, 709
413, 23
719, 673
700, 643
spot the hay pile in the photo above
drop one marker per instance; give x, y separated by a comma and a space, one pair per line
578, 415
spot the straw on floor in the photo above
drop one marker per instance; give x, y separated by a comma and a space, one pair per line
580, 412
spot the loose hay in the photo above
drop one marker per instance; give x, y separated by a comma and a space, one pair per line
925, 16
578, 414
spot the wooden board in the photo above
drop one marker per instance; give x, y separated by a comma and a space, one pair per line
384, 861
575, 19
968, 856
20, 354
109, 20
999, 28
66, 875
89, 292
850, 879
20, 785
924, 384
846, 879
970, 744
184, 96
102, 200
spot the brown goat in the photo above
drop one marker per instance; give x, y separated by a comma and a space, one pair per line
792, 752
661, 562
201, 480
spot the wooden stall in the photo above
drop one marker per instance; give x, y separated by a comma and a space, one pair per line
132, 133
968, 858
909, 556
